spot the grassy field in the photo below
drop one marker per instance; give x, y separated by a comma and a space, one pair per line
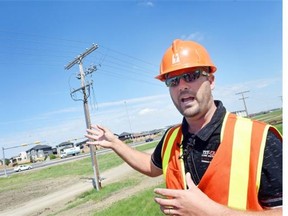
139, 204
269, 117
274, 118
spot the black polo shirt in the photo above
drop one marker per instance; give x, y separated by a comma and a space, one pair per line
199, 149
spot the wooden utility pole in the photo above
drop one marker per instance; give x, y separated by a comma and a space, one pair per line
78, 60
243, 98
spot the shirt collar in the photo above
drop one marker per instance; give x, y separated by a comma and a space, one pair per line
208, 129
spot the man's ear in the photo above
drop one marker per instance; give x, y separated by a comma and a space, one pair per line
211, 79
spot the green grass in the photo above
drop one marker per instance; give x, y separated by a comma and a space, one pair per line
139, 204
270, 118
107, 191
279, 127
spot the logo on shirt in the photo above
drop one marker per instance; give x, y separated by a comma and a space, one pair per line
207, 156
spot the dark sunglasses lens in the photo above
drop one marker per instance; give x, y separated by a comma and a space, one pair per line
190, 77
170, 82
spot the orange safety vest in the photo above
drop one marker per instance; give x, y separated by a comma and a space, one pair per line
233, 176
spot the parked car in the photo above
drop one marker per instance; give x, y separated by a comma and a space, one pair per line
22, 168
149, 140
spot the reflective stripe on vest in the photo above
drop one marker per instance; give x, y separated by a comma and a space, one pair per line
240, 161
172, 143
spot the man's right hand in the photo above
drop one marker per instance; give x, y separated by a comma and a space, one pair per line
100, 136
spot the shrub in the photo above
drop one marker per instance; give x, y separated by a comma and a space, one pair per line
52, 156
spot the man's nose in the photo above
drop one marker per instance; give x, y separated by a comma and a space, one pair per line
183, 84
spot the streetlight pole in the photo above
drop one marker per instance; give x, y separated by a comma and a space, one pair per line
4, 162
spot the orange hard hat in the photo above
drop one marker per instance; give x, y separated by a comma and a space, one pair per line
183, 55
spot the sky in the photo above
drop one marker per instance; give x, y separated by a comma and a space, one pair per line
39, 38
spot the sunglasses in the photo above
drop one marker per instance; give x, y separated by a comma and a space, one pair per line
188, 77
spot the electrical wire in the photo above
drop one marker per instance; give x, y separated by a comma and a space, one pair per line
42, 48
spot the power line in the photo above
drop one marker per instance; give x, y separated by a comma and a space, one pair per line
54, 42
132, 57
115, 60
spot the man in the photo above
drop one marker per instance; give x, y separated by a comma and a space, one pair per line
214, 163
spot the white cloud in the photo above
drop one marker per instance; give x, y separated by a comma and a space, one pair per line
147, 3
150, 4
146, 111
195, 36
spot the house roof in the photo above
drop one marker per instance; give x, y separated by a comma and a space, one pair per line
39, 147
81, 143
64, 144
124, 134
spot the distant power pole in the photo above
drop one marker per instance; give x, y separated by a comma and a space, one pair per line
128, 116
78, 60
243, 98
131, 136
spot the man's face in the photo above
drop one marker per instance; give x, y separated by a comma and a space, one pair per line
193, 99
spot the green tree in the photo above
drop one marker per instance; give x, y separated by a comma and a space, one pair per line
7, 161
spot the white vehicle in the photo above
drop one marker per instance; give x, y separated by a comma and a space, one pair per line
22, 168
72, 151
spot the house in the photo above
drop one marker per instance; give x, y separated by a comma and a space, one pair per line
39, 152
22, 158
124, 136
139, 136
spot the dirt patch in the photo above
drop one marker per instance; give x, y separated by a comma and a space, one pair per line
51, 196
16, 196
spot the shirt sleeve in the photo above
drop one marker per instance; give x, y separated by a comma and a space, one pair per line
270, 192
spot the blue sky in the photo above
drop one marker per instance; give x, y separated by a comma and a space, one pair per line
38, 38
